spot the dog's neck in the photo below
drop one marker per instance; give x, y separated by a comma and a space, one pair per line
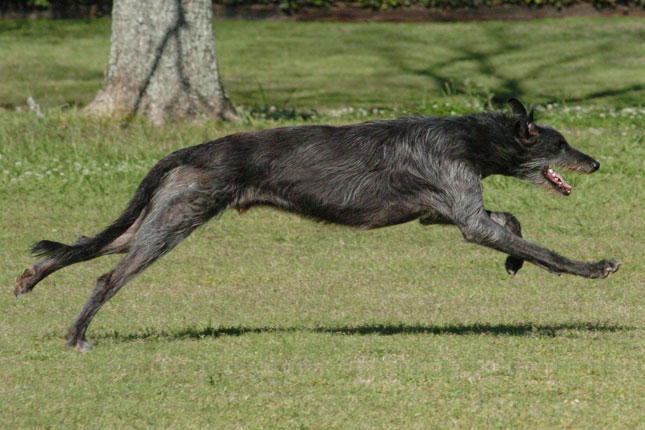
489, 145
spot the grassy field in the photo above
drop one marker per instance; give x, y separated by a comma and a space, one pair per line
266, 320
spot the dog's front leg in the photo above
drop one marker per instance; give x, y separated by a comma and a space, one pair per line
507, 220
461, 200
480, 228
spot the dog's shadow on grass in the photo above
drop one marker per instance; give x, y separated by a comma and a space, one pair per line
520, 329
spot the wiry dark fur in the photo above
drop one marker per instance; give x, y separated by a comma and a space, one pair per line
368, 175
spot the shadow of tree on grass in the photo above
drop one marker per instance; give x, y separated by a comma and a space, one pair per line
485, 59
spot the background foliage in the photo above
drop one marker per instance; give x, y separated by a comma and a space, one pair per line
104, 6
295, 5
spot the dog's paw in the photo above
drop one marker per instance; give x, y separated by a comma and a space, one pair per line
23, 286
81, 345
604, 268
513, 264
610, 266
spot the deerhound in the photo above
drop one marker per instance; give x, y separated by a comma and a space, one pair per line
369, 175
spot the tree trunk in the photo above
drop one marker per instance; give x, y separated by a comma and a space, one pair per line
162, 63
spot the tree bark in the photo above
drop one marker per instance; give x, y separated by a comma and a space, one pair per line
162, 63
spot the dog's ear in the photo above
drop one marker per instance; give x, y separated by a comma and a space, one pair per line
517, 107
525, 128
530, 124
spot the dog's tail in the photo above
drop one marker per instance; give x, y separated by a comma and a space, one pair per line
88, 248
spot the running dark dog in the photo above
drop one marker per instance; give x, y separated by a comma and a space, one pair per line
369, 175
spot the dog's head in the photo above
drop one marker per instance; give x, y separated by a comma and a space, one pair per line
541, 149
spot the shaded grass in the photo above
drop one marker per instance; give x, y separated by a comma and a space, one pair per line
579, 61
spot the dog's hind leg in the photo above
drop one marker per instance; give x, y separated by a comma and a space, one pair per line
48, 265
176, 211
34, 274
106, 287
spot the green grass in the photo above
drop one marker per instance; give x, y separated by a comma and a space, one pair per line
597, 61
267, 320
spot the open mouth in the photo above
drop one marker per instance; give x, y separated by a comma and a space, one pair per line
556, 180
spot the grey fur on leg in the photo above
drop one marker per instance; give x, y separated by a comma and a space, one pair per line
484, 231
513, 264
177, 209
106, 287
505, 219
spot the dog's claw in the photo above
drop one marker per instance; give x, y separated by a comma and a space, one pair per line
611, 266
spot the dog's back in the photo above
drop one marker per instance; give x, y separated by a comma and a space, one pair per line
367, 175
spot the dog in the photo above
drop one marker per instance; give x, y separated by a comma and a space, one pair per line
369, 175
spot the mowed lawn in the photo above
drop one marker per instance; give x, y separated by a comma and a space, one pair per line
267, 320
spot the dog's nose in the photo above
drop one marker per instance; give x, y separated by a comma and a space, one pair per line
595, 165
